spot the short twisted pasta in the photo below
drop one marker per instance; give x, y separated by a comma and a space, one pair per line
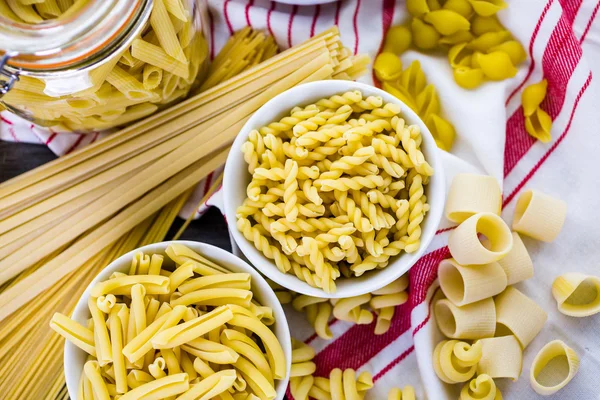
338, 187
348, 205
347, 163
455, 361
353, 183
287, 123
250, 156
417, 213
291, 185
410, 145
336, 101
391, 151
262, 243
311, 224
369, 103
323, 135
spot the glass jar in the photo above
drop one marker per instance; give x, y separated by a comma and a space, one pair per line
89, 65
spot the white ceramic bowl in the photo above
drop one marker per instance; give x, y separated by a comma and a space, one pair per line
74, 358
236, 179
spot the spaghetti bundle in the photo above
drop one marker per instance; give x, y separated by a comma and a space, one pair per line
64, 220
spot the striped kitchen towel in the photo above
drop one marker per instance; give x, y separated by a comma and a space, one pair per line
562, 38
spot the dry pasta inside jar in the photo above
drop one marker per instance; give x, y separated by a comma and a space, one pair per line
89, 65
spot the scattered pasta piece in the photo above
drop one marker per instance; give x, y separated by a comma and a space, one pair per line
397, 39
471, 194
134, 332
537, 121
466, 247
576, 294
518, 315
553, 368
469, 28
470, 283
455, 361
472, 321
411, 87
502, 357
539, 215
481, 388
406, 393
337, 189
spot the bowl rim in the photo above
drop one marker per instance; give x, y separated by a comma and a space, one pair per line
81, 312
279, 106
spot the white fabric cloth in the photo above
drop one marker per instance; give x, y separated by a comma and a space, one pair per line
563, 41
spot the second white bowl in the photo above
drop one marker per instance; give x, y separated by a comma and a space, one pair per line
75, 358
236, 179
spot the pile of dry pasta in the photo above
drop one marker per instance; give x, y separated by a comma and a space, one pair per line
158, 69
410, 86
489, 322
479, 47
191, 330
337, 188
63, 221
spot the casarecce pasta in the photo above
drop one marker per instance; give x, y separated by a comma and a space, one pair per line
146, 343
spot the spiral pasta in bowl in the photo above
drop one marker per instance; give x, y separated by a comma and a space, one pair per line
177, 319
333, 189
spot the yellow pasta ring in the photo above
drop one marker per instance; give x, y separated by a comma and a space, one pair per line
425, 36
442, 130
514, 49
428, 102
497, 66
553, 382
447, 22
462, 7
399, 92
487, 8
532, 97
398, 39
417, 8
468, 78
481, 25
387, 66
458, 55
576, 294
488, 40
456, 38
539, 125
413, 79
